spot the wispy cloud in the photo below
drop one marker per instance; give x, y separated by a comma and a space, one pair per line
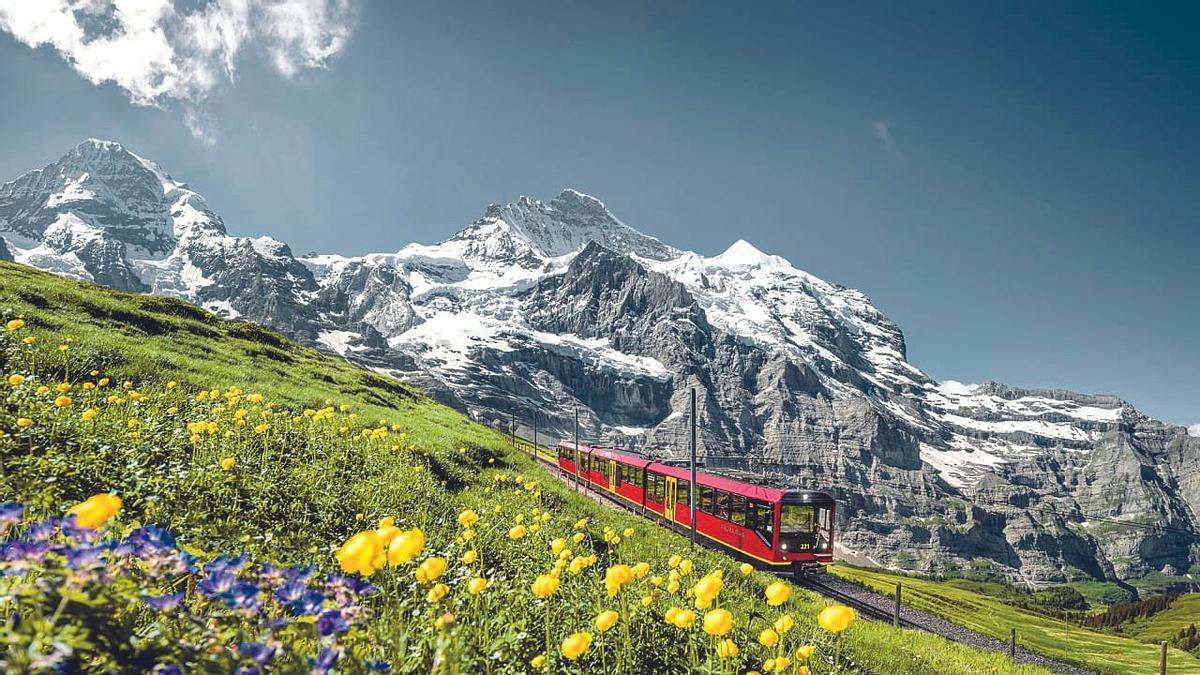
163, 51
884, 133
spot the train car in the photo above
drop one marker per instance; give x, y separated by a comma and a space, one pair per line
773, 528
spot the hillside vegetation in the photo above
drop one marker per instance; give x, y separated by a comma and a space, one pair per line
1037, 632
252, 473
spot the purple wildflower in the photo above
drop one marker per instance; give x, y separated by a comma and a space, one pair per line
43, 529
242, 595
150, 539
226, 563
165, 602
10, 514
300, 599
216, 583
378, 666
331, 622
257, 652
84, 556
325, 660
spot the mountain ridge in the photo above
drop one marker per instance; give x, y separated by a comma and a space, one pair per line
538, 308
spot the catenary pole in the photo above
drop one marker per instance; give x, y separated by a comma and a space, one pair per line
692, 463
577, 448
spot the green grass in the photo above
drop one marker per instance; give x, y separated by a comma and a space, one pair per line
301, 486
981, 612
1102, 593
1183, 612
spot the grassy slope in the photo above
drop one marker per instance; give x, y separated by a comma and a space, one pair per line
297, 490
1183, 612
1051, 637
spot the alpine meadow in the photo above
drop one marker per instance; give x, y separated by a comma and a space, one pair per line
455, 337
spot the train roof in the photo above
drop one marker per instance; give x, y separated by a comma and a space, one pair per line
634, 460
751, 490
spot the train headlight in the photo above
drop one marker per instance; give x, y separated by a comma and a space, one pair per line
785, 547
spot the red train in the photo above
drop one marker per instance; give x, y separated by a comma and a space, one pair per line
774, 528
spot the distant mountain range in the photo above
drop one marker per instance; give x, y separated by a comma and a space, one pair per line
541, 308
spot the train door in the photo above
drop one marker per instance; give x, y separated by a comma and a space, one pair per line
669, 500
612, 475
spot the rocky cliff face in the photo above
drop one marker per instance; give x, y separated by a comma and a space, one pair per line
540, 309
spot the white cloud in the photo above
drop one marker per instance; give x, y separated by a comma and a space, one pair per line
884, 133
1194, 430
160, 52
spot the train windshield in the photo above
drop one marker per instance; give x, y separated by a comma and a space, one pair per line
804, 527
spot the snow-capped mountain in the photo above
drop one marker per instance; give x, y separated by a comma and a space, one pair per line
538, 309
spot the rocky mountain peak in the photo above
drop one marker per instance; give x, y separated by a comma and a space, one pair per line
743, 254
540, 308
530, 229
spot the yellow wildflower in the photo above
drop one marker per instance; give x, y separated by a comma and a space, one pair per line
606, 620
836, 618
784, 623
361, 553
545, 585
468, 518
718, 622
768, 638
576, 645
406, 546
95, 510
430, 570
778, 593
436, 593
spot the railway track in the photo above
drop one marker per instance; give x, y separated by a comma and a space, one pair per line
864, 608
868, 604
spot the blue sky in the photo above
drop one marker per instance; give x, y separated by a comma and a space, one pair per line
1017, 185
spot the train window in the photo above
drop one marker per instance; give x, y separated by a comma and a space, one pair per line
658, 490
737, 509
824, 529
760, 517
722, 511
796, 527
682, 493
707, 497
